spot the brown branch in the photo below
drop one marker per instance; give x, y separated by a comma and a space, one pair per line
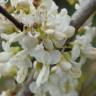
84, 12
18, 24
81, 16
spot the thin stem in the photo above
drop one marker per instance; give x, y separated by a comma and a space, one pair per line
18, 24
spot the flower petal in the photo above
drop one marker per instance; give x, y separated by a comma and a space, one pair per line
55, 57
75, 52
43, 76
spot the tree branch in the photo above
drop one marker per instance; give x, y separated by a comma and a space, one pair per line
84, 12
81, 16
18, 24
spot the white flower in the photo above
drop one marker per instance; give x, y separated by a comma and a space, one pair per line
28, 20
63, 21
3, 94
13, 37
83, 44
22, 64
7, 53
2, 2
58, 28
42, 56
71, 68
43, 75
91, 53
9, 36
75, 72
54, 90
46, 57
21, 2
26, 40
5, 67
75, 52
38, 91
10, 60
21, 74
48, 6
28, 43
66, 66
48, 44
6, 26
3, 70
14, 3
57, 88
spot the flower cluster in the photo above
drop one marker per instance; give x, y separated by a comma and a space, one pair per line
41, 45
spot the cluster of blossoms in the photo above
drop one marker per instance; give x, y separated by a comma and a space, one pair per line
41, 45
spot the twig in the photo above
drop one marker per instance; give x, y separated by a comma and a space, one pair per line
81, 15
11, 18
